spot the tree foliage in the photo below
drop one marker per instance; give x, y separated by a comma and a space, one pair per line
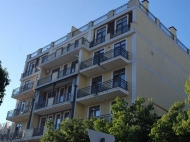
174, 125
4, 81
127, 124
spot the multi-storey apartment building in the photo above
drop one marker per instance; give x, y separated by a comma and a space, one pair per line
127, 53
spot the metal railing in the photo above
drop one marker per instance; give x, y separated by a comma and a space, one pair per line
120, 31
46, 48
148, 13
15, 135
38, 131
100, 19
22, 88
34, 54
60, 40
120, 9
97, 41
107, 117
41, 104
62, 98
64, 50
119, 51
18, 111
60, 74
101, 87
82, 29
4, 137
164, 29
27, 73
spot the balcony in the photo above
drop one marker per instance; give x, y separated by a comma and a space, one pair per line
103, 63
38, 131
107, 90
19, 114
23, 92
57, 77
120, 31
29, 73
4, 137
16, 135
97, 41
54, 104
64, 54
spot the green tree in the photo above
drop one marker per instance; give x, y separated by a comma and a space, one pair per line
129, 124
52, 135
175, 124
4, 81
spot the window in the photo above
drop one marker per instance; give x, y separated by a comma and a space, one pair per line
30, 68
68, 95
119, 78
100, 35
98, 57
51, 118
18, 127
96, 85
65, 70
44, 59
73, 66
76, 43
42, 122
121, 25
62, 96
26, 85
94, 111
120, 49
68, 47
22, 107
66, 115
58, 121
54, 74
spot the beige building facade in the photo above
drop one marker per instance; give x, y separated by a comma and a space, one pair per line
127, 53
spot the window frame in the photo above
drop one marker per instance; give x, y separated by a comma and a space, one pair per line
88, 112
127, 15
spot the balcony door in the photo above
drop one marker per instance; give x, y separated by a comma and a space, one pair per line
54, 74
68, 95
98, 57
31, 66
26, 85
73, 66
100, 35
94, 111
62, 95
42, 122
18, 127
65, 70
66, 115
96, 85
57, 121
119, 78
119, 49
121, 25
22, 107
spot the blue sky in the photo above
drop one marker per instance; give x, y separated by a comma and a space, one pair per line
27, 25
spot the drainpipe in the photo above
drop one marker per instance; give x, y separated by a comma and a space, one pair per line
74, 101
28, 125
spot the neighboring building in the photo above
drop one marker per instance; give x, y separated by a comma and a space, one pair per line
127, 53
5, 129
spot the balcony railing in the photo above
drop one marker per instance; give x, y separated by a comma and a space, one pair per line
40, 104
15, 135
4, 137
120, 9
119, 51
27, 73
38, 131
64, 50
107, 117
101, 87
60, 74
120, 31
100, 19
62, 98
19, 111
82, 29
97, 41
23, 88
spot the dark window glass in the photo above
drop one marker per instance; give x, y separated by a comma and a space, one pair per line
58, 121
43, 122
98, 57
66, 115
120, 48
18, 127
94, 111
96, 85
119, 78
76, 43
73, 66
100, 35
121, 25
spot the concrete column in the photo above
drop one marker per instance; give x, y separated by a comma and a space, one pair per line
110, 13
90, 24
39, 50
173, 32
158, 22
133, 3
51, 44
145, 3
108, 36
133, 25
28, 56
